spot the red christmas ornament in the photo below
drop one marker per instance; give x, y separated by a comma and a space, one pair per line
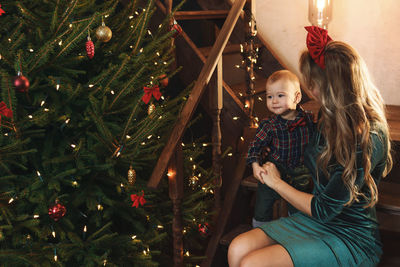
57, 211
203, 229
21, 83
89, 48
176, 28
163, 80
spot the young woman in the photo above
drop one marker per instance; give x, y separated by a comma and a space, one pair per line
347, 156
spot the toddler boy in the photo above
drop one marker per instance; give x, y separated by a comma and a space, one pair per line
286, 134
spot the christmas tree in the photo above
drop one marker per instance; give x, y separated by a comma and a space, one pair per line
84, 114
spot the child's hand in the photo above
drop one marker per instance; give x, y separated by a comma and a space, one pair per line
270, 175
257, 171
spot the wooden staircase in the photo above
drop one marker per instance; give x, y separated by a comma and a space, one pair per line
171, 156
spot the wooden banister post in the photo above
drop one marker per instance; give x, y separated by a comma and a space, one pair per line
216, 104
168, 5
175, 181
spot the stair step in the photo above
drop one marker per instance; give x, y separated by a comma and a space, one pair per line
227, 239
259, 87
201, 14
389, 199
229, 49
250, 182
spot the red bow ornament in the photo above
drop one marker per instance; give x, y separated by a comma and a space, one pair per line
5, 111
294, 125
138, 200
149, 91
1, 11
317, 39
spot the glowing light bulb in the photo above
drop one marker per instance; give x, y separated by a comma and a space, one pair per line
320, 5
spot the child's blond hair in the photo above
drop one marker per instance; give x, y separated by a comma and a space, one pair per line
284, 75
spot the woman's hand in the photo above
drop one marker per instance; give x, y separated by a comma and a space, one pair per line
271, 176
298, 199
257, 171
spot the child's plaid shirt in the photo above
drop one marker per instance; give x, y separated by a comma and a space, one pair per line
286, 139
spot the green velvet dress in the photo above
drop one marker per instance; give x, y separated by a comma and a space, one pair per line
335, 235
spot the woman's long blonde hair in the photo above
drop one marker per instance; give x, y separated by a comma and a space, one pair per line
350, 104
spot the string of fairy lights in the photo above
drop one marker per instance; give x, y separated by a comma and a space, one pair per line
247, 57
250, 54
74, 182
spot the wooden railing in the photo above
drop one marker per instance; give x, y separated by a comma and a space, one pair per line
171, 156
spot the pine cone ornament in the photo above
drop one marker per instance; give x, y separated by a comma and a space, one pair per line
89, 48
131, 176
151, 108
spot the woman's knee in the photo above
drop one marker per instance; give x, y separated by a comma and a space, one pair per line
247, 261
236, 248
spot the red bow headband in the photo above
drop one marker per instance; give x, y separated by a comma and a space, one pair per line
317, 39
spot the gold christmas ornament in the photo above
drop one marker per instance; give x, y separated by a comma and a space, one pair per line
151, 108
103, 33
193, 181
131, 176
